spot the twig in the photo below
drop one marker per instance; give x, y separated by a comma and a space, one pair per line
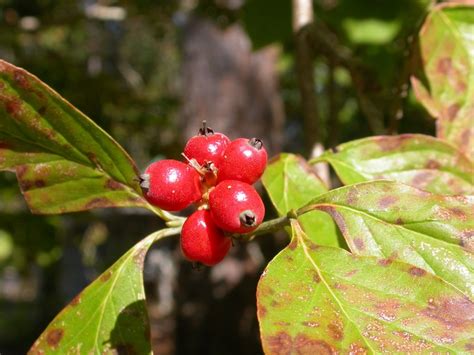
411, 58
327, 43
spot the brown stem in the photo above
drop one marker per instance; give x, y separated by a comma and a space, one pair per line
411, 57
302, 22
329, 45
333, 119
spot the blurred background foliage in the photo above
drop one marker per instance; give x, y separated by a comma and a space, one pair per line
148, 72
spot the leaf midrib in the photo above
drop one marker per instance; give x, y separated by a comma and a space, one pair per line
414, 248
86, 162
368, 215
333, 295
353, 167
343, 305
103, 305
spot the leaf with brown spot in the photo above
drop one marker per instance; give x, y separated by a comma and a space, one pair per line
447, 49
64, 162
390, 220
109, 314
422, 161
291, 183
379, 308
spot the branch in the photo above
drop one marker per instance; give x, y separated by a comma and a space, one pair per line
412, 56
334, 129
326, 42
302, 24
270, 226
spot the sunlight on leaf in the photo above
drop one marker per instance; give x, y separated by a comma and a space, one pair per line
371, 31
447, 51
422, 161
63, 161
291, 183
319, 300
398, 222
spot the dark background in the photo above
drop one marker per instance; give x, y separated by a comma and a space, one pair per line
149, 72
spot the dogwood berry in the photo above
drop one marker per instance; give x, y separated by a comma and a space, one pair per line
171, 185
236, 206
202, 241
243, 160
207, 146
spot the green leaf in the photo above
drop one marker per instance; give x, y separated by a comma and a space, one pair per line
64, 162
396, 221
447, 51
323, 300
109, 315
371, 31
421, 161
291, 183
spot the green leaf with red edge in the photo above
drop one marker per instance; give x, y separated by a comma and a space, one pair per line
396, 221
64, 162
291, 183
447, 52
109, 315
422, 161
322, 300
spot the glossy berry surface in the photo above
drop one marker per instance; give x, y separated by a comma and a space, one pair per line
171, 185
244, 160
202, 241
236, 206
207, 147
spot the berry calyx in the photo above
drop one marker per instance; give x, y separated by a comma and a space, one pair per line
236, 206
171, 185
207, 146
202, 241
244, 160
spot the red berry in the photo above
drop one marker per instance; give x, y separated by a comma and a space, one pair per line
171, 185
207, 146
236, 206
202, 241
243, 160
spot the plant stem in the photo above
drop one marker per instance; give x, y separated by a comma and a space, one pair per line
328, 44
333, 113
176, 222
168, 217
266, 227
320, 159
274, 224
163, 233
302, 21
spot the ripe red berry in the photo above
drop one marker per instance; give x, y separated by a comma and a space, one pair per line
243, 160
171, 185
236, 206
207, 146
202, 241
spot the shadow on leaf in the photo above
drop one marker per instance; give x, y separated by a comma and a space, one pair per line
131, 333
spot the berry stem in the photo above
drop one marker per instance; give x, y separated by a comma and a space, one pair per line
170, 219
204, 130
320, 159
256, 143
274, 225
266, 227
162, 233
177, 222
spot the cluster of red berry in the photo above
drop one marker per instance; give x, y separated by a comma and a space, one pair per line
217, 178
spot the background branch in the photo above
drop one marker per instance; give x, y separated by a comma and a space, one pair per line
302, 22
326, 42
